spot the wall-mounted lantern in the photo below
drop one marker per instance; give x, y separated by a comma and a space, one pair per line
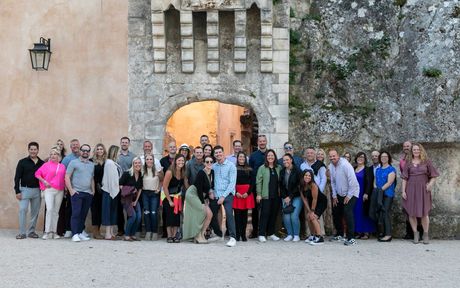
40, 55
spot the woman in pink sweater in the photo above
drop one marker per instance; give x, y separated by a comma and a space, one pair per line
51, 176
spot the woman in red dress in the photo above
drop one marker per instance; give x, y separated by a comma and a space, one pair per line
418, 176
243, 199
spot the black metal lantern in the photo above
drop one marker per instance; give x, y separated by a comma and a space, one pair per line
40, 55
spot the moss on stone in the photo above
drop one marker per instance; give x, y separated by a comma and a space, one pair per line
400, 3
456, 12
294, 37
432, 72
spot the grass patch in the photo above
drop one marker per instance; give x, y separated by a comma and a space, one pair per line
400, 3
312, 17
432, 72
294, 37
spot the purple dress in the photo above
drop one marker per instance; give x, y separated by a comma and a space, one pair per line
363, 224
418, 202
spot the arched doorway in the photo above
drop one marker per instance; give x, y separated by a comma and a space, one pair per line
222, 123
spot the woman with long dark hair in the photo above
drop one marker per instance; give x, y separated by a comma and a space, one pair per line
268, 196
153, 175
364, 225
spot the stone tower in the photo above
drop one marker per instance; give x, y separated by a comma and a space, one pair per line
184, 51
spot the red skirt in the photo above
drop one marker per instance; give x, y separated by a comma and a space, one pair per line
240, 203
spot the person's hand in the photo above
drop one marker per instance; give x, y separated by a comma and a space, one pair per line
244, 196
312, 216
404, 195
238, 195
211, 195
287, 200
429, 187
72, 192
334, 202
19, 196
221, 201
365, 197
345, 201
134, 203
47, 185
171, 203
258, 198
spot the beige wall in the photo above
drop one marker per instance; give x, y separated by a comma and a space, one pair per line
84, 93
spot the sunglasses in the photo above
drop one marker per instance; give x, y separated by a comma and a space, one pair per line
287, 147
208, 162
85, 150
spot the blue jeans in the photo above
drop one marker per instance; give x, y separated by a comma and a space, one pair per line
132, 223
32, 196
291, 221
109, 210
151, 202
81, 203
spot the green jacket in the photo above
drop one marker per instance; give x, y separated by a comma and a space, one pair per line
263, 178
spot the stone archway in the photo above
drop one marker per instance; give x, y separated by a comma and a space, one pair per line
227, 53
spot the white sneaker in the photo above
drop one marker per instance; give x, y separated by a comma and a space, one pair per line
75, 238
83, 237
288, 238
274, 237
231, 242
296, 238
68, 234
310, 239
45, 236
84, 234
214, 238
56, 236
262, 239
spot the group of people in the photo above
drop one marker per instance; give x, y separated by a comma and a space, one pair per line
198, 188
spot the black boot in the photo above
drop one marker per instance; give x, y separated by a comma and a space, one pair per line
237, 213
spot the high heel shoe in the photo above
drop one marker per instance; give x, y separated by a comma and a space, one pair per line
385, 240
200, 241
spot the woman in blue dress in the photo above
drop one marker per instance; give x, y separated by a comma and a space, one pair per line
365, 176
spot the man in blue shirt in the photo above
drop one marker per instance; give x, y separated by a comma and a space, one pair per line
289, 149
224, 190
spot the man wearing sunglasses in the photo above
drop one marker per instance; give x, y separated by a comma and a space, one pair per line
80, 183
289, 149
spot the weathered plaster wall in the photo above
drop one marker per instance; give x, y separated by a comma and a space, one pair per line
84, 93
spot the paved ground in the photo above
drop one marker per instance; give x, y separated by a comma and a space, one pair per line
99, 263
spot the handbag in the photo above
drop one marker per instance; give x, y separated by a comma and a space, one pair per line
288, 209
127, 191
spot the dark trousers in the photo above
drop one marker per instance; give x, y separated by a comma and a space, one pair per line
230, 220
120, 216
81, 202
214, 221
255, 216
65, 213
96, 208
387, 203
241, 221
269, 209
346, 210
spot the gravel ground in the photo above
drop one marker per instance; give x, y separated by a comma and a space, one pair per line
99, 263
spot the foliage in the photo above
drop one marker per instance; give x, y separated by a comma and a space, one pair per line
294, 37
400, 3
276, 2
312, 17
291, 13
432, 72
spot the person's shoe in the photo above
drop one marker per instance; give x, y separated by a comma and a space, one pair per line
296, 238
317, 241
56, 236
84, 234
21, 236
416, 237
83, 237
33, 235
408, 237
426, 238
337, 238
231, 242
154, 237
350, 242
274, 237
310, 239
214, 238
288, 238
75, 238
148, 235
262, 239
244, 239
68, 234
253, 235
45, 236
385, 240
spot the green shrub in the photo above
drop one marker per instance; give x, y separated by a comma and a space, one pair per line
432, 72
400, 3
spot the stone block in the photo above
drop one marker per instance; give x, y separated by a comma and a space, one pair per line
212, 16
158, 42
282, 125
185, 16
159, 54
187, 43
212, 29
154, 132
281, 56
280, 88
281, 67
281, 44
266, 66
266, 16
213, 42
187, 54
188, 66
279, 111
186, 30
266, 29
240, 54
283, 98
213, 66
281, 33
213, 54
240, 30
239, 67
283, 78
159, 66
276, 141
136, 27
266, 55
240, 16
158, 18
240, 41
158, 29
267, 42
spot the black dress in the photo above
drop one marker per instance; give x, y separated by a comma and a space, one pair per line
202, 184
96, 206
321, 203
175, 187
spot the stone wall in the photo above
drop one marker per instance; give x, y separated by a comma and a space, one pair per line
371, 74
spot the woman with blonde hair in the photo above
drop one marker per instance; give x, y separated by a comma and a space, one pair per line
99, 158
419, 176
110, 189
51, 179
